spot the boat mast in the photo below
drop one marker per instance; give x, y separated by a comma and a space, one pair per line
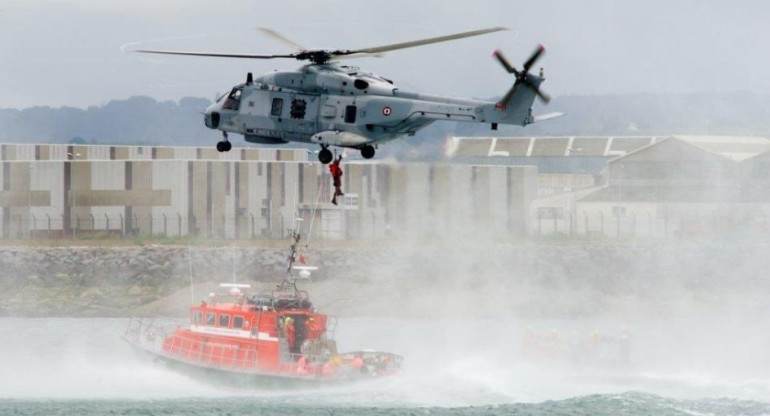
289, 282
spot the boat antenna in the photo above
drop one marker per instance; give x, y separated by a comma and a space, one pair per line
315, 208
232, 256
294, 208
295, 237
189, 263
289, 282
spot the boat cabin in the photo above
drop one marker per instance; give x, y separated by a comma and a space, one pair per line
263, 330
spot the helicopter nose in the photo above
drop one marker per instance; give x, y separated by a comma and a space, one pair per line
211, 117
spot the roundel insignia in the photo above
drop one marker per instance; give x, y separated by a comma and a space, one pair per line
386, 111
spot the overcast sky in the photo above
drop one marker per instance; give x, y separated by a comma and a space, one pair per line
68, 52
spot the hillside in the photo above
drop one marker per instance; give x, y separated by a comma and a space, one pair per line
143, 120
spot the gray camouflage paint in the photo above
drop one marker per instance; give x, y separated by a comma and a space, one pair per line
331, 92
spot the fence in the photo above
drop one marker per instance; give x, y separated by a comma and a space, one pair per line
251, 226
163, 225
631, 225
348, 224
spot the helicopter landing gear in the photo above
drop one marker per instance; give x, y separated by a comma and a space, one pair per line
367, 152
224, 145
325, 155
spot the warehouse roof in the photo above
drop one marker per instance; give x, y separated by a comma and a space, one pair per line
573, 154
567, 146
735, 148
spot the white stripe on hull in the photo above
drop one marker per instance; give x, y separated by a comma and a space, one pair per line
237, 333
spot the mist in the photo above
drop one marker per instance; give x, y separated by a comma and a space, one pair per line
459, 310
611, 266
594, 47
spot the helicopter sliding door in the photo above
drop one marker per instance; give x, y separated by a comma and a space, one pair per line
280, 115
337, 112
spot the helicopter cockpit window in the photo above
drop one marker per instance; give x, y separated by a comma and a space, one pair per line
298, 108
233, 101
277, 107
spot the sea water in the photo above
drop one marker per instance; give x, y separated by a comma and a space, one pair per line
59, 366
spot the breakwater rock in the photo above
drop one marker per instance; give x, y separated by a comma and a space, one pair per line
425, 279
96, 281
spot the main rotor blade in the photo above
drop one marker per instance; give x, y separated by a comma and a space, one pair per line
281, 38
336, 57
535, 56
215, 55
412, 44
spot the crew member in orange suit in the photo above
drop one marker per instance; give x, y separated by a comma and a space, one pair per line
336, 171
290, 333
312, 328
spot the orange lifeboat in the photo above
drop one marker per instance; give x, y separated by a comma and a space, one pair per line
262, 337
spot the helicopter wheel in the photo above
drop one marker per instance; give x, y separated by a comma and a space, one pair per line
224, 146
367, 152
325, 156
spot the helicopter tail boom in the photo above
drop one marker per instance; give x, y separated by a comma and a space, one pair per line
515, 107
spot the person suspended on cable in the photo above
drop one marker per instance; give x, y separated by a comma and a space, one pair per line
336, 171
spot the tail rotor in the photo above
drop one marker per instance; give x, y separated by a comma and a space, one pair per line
522, 77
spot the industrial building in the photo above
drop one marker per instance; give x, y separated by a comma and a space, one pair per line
684, 185
676, 186
563, 163
597, 186
60, 191
636, 186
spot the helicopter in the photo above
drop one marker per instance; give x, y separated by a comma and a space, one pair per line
327, 103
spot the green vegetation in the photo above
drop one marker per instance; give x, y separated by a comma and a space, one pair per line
143, 120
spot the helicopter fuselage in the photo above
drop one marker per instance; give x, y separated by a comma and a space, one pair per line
338, 105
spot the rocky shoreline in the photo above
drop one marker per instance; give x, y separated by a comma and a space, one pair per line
96, 281
424, 280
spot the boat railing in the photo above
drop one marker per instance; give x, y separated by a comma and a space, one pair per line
331, 326
161, 338
343, 365
149, 333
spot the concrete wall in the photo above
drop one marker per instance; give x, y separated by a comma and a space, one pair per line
253, 199
19, 152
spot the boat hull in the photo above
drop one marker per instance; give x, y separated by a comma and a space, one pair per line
249, 378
